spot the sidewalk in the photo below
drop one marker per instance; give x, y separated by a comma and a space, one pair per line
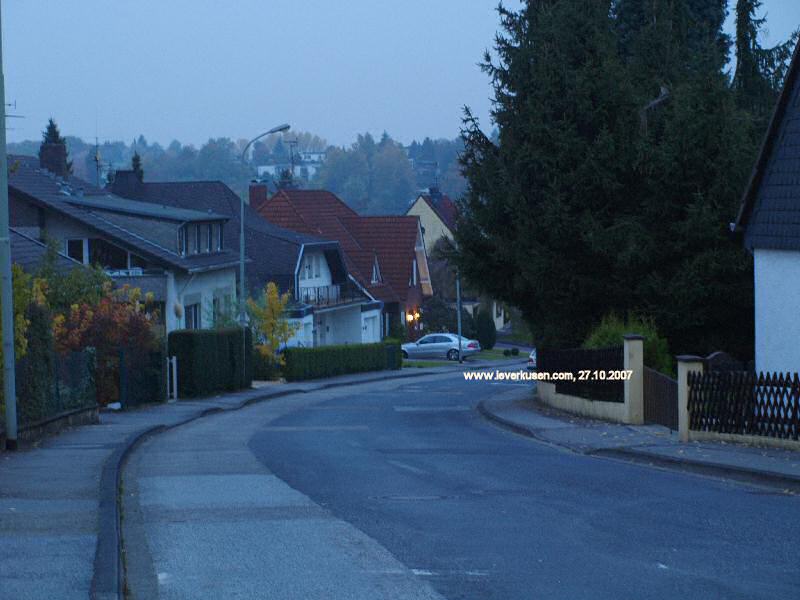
59, 518
651, 444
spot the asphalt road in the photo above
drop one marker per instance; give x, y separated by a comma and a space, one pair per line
402, 490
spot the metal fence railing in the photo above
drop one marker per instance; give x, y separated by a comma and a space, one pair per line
588, 367
660, 398
48, 385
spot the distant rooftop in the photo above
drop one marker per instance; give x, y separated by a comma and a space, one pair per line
144, 209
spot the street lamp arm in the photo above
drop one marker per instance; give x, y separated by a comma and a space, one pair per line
278, 129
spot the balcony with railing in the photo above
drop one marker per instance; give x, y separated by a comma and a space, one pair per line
329, 295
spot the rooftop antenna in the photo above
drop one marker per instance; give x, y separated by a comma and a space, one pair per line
97, 161
13, 106
292, 144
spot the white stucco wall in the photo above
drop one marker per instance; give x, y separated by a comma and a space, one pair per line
304, 334
371, 326
324, 277
200, 287
777, 310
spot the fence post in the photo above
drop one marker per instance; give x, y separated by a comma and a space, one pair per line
633, 359
174, 378
686, 364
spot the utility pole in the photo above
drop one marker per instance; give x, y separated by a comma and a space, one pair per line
6, 289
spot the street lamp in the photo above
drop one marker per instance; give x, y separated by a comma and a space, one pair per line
242, 310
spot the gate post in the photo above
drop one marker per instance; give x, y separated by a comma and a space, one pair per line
633, 359
686, 363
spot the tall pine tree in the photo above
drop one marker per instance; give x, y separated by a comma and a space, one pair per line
544, 217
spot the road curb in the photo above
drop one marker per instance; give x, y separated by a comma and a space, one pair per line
743, 474
641, 456
108, 578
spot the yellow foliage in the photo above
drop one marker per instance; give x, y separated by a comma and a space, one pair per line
269, 320
21, 297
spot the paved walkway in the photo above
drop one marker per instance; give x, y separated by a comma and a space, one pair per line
58, 500
645, 443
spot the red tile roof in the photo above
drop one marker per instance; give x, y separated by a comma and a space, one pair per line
443, 206
392, 239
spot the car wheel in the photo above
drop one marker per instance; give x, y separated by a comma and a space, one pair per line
452, 355
405, 354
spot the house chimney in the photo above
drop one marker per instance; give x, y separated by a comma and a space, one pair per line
53, 157
127, 184
258, 194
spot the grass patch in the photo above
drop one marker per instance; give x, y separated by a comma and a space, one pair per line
497, 354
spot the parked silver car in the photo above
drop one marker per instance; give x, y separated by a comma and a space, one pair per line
440, 345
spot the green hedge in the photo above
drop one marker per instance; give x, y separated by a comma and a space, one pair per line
210, 360
329, 361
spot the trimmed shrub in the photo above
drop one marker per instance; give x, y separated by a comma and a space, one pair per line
329, 361
485, 330
515, 351
611, 329
210, 360
506, 352
264, 368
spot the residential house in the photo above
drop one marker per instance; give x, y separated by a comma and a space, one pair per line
438, 214
30, 253
769, 224
385, 256
327, 306
177, 255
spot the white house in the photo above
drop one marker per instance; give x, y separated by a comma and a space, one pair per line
328, 312
769, 223
177, 255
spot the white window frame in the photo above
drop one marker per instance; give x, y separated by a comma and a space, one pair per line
84, 246
183, 241
376, 272
197, 319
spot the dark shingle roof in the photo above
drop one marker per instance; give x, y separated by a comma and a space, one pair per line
29, 253
153, 239
273, 251
770, 213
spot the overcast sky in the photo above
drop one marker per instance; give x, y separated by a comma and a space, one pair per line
195, 69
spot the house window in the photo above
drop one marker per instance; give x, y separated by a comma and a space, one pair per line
182, 244
316, 265
209, 237
75, 250
376, 272
414, 272
215, 304
107, 255
193, 316
196, 246
220, 238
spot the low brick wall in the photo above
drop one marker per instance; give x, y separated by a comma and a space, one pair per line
53, 425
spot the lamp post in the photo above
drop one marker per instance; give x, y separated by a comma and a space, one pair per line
458, 308
242, 303
242, 311
9, 384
